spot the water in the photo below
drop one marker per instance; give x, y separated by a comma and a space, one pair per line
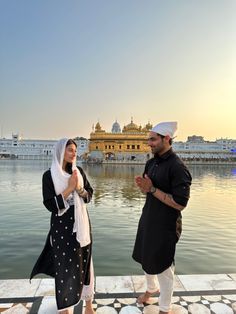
207, 245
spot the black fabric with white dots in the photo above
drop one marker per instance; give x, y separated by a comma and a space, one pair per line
71, 262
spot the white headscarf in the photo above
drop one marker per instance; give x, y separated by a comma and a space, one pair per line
60, 180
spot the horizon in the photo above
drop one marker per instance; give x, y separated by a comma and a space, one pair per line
176, 139
67, 65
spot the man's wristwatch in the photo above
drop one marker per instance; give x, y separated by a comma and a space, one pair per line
152, 189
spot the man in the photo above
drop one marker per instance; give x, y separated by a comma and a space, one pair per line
166, 182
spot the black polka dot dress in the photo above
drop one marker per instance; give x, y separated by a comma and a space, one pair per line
62, 256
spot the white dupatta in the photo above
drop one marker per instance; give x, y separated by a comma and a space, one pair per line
60, 180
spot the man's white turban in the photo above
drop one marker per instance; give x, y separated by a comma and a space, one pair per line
165, 128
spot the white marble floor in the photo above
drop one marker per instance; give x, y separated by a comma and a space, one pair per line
194, 294
180, 305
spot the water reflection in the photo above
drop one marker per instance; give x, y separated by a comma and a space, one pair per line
113, 171
18, 166
199, 171
109, 171
209, 223
21, 175
129, 171
114, 180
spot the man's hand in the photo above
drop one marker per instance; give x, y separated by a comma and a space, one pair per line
144, 184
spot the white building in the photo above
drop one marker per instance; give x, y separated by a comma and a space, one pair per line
16, 147
197, 148
82, 146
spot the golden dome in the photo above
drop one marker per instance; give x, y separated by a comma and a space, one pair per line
147, 127
98, 127
131, 127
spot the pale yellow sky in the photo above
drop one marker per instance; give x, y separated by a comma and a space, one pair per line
66, 65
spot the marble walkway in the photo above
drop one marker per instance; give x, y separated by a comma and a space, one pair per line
195, 294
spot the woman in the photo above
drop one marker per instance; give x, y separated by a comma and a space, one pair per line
68, 249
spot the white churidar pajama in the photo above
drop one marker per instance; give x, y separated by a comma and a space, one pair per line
166, 283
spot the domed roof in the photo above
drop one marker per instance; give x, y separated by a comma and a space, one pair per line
98, 127
131, 127
147, 127
116, 127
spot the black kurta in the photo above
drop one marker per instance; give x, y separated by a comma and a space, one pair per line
160, 225
62, 256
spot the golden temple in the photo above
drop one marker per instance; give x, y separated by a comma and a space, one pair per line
130, 143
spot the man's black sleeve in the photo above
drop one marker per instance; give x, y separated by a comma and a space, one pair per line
180, 184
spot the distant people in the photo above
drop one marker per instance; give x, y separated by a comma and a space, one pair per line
67, 254
166, 182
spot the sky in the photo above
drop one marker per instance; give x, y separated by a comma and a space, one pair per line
67, 64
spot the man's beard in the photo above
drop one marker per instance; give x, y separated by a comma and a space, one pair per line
157, 150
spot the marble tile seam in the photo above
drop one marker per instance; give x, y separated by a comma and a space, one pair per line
120, 284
